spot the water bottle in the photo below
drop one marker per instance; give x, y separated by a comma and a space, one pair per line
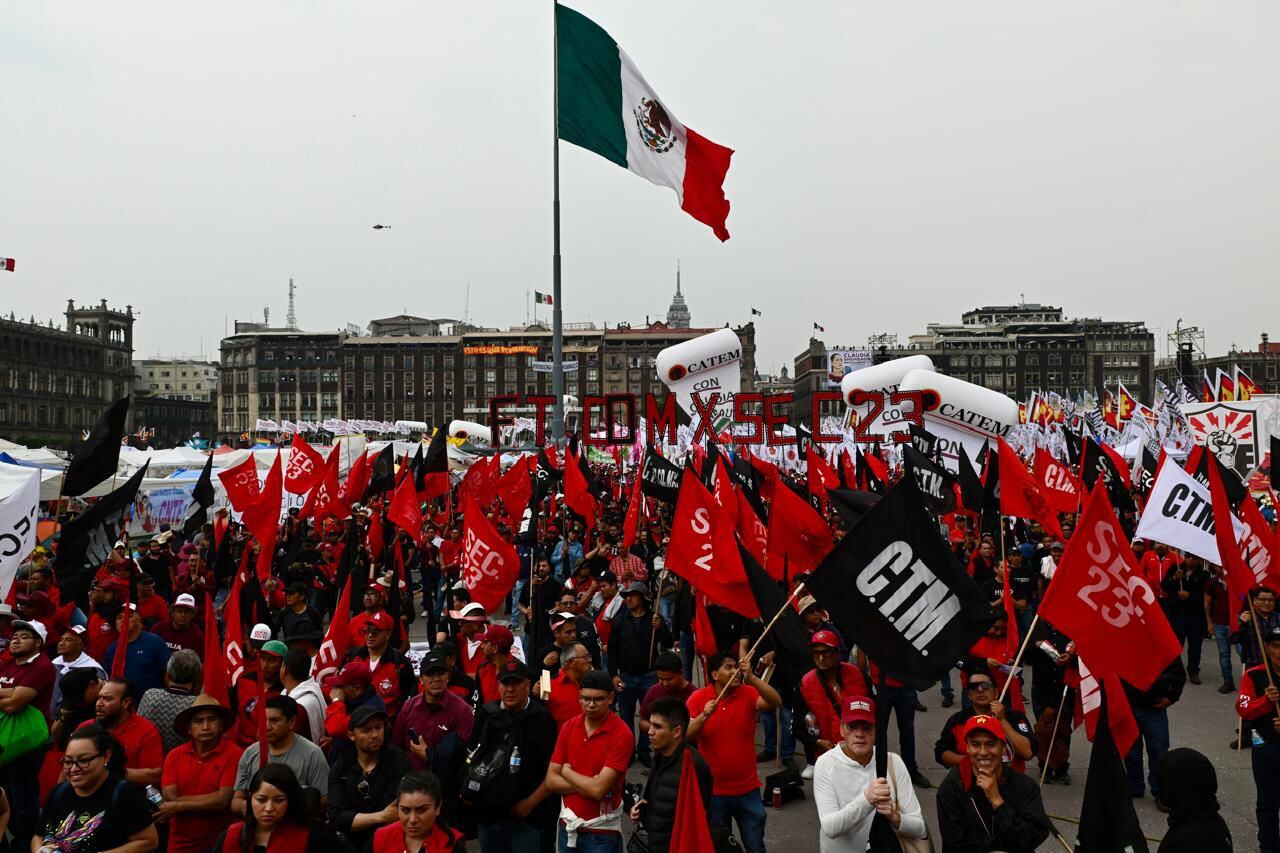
811, 722
154, 796
514, 764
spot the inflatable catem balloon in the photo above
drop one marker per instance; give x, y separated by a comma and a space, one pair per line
707, 365
470, 431
880, 420
966, 415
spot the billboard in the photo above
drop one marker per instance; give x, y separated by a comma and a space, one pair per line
842, 361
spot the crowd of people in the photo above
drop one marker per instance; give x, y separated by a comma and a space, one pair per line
517, 728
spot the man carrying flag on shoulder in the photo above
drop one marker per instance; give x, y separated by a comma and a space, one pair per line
667, 809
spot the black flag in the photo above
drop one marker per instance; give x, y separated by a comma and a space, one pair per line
201, 500
1275, 463
751, 482
852, 504
934, 482
382, 478
88, 538
1108, 823
790, 639
970, 483
1147, 477
923, 441
96, 458
1072, 440
1094, 463
661, 478
894, 587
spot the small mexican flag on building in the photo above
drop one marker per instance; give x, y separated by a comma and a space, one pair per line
7, 264
542, 298
605, 106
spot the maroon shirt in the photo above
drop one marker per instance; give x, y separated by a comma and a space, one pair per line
189, 638
37, 673
657, 691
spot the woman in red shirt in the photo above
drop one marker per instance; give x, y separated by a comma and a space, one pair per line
278, 820
419, 828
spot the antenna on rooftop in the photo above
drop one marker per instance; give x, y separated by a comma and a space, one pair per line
291, 319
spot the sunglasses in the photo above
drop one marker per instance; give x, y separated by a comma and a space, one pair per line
981, 685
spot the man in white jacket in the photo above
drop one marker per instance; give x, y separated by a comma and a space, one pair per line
295, 675
849, 795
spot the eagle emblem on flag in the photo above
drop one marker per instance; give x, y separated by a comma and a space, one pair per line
654, 126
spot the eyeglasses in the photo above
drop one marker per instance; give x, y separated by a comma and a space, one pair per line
980, 685
820, 651
81, 763
593, 700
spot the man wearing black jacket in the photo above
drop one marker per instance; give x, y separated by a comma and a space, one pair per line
1183, 585
1151, 711
362, 784
519, 816
636, 630
656, 810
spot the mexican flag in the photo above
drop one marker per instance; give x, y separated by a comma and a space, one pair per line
606, 106
542, 298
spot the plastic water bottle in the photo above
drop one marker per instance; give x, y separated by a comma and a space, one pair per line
514, 764
154, 795
811, 723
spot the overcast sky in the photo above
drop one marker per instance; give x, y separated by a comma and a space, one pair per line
897, 163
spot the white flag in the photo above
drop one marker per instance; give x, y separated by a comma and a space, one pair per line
19, 501
1179, 513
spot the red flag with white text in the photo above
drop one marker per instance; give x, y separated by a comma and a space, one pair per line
490, 565
704, 552
305, 467
241, 483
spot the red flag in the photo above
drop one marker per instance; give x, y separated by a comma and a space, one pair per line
723, 492
334, 648
1100, 599
122, 639
797, 534
577, 491
1257, 548
405, 511
876, 466
770, 472
352, 490
262, 519
1242, 574
752, 532
305, 468
820, 476
233, 651
374, 538
1060, 487
703, 551
215, 663
481, 480
847, 471
632, 520
241, 483
704, 638
690, 833
515, 488
1019, 495
490, 565
1011, 638
323, 499
1089, 693
432, 478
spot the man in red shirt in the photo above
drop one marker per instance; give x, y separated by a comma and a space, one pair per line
389, 668
199, 777
104, 608
671, 682
143, 748
373, 603
151, 607
1156, 565
180, 631
724, 730
496, 647
26, 677
588, 766
563, 702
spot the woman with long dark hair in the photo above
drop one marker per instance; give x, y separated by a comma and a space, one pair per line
95, 809
279, 819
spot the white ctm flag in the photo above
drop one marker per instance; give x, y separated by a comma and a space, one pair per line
19, 501
1179, 513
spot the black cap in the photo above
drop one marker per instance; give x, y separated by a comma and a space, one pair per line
596, 680
606, 576
364, 714
668, 662
514, 670
447, 647
297, 588
1272, 636
433, 661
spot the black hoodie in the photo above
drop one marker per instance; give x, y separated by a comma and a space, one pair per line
1189, 787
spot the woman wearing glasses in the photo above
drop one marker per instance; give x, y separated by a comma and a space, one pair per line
95, 809
278, 819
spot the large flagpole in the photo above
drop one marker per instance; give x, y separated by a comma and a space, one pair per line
557, 336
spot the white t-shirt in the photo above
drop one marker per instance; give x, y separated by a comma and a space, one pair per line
844, 815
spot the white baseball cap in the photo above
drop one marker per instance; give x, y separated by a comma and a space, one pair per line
36, 628
185, 600
260, 633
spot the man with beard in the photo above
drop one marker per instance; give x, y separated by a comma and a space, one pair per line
143, 748
985, 805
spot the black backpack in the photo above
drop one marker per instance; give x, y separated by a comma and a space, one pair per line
488, 779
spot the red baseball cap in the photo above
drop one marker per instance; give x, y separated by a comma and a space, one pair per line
858, 709
984, 723
354, 674
824, 638
500, 636
381, 620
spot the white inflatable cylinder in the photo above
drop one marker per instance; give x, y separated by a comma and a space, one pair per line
463, 430
966, 416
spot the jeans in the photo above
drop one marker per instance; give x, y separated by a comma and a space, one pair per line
510, 836
18, 778
1222, 636
770, 724
513, 601
1190, 632
1266, 776
687, 653
748, 810
947, 689
903, 701
1153, 730
590, 842
633, 689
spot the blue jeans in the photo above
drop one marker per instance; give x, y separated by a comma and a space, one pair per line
748, 810
1190, 632
18, 777
770, 724
1266, 776
633, 689
687, 653
510, 836
1153, 730
513, 601
947, 689
901, 700
590, 842
1222, 636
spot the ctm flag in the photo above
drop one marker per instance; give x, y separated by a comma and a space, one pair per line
95, 458
605, 106
19, 505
